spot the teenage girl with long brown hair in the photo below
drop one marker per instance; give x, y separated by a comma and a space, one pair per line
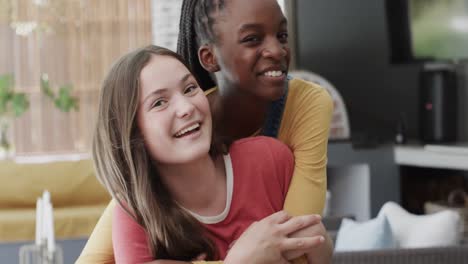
178, 196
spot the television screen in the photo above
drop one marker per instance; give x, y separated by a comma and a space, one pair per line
439, 29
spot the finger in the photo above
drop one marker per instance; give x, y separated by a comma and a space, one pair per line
294, 254
301, 243
278, 217
299, 222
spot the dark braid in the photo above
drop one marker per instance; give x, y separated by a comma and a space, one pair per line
196, 28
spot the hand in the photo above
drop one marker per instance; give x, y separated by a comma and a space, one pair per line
266, 241
317, 229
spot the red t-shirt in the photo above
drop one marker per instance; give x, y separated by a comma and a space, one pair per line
258, 180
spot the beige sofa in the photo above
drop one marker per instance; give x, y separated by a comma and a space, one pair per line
77, 197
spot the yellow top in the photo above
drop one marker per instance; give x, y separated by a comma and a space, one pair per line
304, 128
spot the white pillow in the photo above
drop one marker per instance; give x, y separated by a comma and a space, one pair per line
413, 231
369, 235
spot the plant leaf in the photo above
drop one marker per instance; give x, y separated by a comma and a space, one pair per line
19, 104
64, 100
45, 86
6, 84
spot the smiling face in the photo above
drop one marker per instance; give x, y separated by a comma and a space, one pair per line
252, 47
173, 112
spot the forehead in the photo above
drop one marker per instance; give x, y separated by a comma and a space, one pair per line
261, 12
162, 72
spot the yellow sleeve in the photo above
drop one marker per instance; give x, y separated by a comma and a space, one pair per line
304, 128
99, 249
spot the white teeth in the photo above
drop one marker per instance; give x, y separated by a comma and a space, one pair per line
273, 73
188, 129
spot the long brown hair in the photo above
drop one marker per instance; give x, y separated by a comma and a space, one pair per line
125, 167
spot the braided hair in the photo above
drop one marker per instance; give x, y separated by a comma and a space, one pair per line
195, 29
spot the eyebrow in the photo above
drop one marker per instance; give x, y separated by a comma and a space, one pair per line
245, 27
164, 90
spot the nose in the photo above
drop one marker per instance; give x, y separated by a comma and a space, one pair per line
184, 107
275, 49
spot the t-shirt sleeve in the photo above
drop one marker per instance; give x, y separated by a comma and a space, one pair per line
129, 239
306, 132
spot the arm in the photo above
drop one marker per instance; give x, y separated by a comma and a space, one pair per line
98, 249
305, 128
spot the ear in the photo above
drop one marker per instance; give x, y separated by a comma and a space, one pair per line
207, 58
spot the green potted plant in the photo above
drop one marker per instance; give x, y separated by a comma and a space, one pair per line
63, 99
12, 104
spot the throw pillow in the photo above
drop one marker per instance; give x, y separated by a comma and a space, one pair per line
413, 231
368, 235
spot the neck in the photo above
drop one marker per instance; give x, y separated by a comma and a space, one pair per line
199, 186
238, 114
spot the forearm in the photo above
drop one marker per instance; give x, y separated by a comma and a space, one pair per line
306, 196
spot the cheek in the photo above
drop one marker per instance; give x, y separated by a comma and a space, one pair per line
155, 133
202, 104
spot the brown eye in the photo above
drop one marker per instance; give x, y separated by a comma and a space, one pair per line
283, 37
158, 103
251, 39
191, 89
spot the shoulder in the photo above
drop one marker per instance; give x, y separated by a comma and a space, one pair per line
121, 216
261, 143
307, 116
307, 91
308, 101
260, 149
266, 155
129, 239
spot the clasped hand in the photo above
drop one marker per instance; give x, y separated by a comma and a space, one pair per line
278, 238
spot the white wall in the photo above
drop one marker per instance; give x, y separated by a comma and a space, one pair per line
166, 15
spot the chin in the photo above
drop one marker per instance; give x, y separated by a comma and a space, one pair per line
197, 151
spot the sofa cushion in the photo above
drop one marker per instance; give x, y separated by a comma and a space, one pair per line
69, 222
368, 235
413, 231
71, 183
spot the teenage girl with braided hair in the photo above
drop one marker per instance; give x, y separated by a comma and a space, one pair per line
241, 47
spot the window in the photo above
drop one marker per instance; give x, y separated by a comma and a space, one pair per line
74, 42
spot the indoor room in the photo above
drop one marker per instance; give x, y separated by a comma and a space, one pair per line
391, 184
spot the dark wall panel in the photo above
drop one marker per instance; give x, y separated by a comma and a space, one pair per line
347, 43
